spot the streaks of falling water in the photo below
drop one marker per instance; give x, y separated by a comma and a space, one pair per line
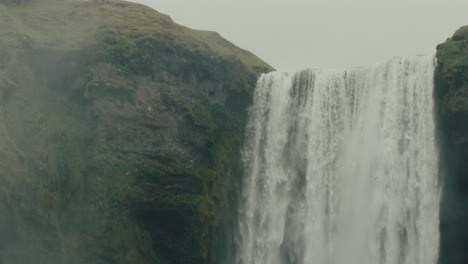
341, 168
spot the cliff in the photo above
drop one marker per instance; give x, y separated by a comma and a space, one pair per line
451, 95
119, 134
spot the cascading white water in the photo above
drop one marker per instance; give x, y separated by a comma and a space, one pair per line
341, 168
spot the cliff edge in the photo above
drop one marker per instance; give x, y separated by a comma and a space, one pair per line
451, 95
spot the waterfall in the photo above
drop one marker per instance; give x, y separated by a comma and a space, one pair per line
341, 167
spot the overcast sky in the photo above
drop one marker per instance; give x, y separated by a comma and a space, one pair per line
296, 34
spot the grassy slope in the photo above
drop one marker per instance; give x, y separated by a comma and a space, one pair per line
72, 24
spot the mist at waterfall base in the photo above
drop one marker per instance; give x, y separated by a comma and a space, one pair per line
341, 167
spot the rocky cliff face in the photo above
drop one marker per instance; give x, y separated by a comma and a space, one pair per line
451, 96
119, 134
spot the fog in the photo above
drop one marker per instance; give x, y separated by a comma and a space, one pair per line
297, 34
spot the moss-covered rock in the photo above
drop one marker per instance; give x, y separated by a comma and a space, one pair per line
451, 94
119, 134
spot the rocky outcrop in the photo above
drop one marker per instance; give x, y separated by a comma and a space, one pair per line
451, 94
119, 134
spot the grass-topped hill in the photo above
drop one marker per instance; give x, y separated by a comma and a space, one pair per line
120, 134
72, 24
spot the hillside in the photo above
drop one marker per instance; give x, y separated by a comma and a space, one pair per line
119, 134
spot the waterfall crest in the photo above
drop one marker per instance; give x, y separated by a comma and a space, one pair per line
341, 167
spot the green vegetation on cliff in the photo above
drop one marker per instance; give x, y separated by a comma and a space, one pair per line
120, 133
451, 95
453, 71
72, 24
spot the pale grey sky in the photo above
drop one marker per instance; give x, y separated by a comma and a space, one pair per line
296, 34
